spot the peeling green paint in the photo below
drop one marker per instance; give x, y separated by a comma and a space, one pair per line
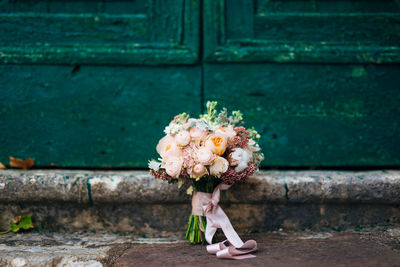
76, 180
89, 189
286, 192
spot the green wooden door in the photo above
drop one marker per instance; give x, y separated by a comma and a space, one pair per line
93, 83
320, 79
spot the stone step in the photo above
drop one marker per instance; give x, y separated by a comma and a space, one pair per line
369, 247
132, 201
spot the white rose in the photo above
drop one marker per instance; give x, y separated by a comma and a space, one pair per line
253, 146
205, 156
182, 138
173, 166
219, 166
239, 158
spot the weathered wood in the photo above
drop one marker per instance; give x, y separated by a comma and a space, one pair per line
95, 33
301, 33
315, 115
91, 116
323, 6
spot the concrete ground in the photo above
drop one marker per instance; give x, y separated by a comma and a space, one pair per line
280, 249
371, 247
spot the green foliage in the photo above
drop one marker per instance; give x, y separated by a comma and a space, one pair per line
213, 118
211, 114
206, 184
22, 222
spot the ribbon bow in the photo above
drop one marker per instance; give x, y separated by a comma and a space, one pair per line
216, 218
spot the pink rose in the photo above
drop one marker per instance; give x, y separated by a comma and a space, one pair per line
216, 143
196, 134
182, 138
219, 166
204, 156
198, 171
173, 166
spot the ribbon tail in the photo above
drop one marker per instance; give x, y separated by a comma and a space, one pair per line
216, 218
211, 228
230, 252
228, 229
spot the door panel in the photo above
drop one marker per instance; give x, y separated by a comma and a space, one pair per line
150, 32
302, 31
93, 83
315, 114
319, 79
97, 116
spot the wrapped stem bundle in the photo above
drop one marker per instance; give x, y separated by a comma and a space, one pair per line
197, 221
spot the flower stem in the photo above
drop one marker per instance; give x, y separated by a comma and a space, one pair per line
194, 234
5, 232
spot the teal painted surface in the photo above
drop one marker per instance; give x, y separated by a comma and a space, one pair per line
325, 89
95, 116
302, 31
93, 83
146, 32
315, 115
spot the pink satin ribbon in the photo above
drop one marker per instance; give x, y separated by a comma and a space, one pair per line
216, 218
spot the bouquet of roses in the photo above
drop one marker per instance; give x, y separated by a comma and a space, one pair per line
210, 153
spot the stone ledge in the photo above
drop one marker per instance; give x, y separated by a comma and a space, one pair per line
96, 187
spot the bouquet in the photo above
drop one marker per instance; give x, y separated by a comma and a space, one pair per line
210, 154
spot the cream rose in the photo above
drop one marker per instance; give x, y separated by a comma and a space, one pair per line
216, 143
173, 166
168, 147
196, 134
219, 166
204, 156
239, 158
182, 138
228, 132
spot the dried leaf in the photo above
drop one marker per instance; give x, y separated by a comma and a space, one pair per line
189, 191
22, 164
2, 167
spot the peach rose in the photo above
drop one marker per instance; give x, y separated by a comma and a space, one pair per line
219, 166
204, 156
173, 166
182, 138
228, 132
168, 147
216, 143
